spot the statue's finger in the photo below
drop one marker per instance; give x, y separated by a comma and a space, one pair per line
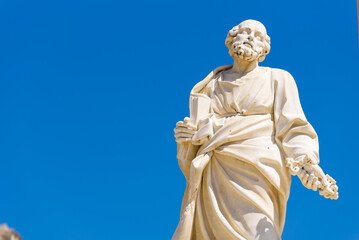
301, 173
315, 184
179, 122
187, 120
182, 140
184, 130
185, 125
183, 135
305, 179
310, 181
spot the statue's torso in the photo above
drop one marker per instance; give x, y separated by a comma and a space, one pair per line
251, 94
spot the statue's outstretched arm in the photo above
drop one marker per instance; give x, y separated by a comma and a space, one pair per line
297, 138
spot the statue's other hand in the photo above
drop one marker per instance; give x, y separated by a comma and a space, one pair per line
309, 180
184, 131
314, 178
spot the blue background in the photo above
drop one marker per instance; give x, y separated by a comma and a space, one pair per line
91, 90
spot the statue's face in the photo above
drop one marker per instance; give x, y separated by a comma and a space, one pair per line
248, 40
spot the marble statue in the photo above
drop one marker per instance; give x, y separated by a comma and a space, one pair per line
245, 137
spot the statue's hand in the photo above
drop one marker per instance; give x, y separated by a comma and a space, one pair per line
184, 131
309, 179
312, 177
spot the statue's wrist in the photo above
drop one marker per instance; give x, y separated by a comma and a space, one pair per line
301, 162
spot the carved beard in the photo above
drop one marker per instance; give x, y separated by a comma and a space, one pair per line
245, 52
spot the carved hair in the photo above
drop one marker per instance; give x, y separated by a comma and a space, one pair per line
233, 33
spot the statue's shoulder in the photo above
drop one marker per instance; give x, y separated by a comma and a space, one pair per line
202, 84
281, 76
283, 79
280, 73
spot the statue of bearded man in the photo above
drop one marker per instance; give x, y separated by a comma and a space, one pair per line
246, 136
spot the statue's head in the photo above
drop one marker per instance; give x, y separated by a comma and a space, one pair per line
249, 41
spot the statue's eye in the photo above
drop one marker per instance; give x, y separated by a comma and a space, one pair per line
259, 36
244, 32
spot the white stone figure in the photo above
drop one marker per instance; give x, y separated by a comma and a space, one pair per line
245, 136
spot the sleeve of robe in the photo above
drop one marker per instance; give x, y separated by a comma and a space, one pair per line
186, 151
293, 133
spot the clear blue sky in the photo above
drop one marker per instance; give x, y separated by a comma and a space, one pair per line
90, 92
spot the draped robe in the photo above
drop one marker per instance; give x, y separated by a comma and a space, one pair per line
237, 180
